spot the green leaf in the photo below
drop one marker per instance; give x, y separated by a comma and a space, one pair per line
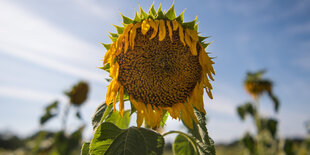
249, 142
137, 17
103, 138
137, 141
272, 127
182, 146
85, 148
100, 114
143, 14
160, 14
50, 111
171, 13
190, 25
241, 112
152, 11
121, 122
164, 118
276, 102
207, 145
106, 46
119, 29
180, 18
113, 38
126, 20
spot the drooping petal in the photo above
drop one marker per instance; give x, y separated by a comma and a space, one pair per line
169, 29
181, 34
145, 26
162, 30
121, 100
154, 24
175, 25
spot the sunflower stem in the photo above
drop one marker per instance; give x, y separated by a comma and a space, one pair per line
188, 137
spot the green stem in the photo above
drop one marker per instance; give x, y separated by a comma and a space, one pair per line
257, 119
191, 140
65, 117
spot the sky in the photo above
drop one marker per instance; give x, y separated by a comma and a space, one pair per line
48, 46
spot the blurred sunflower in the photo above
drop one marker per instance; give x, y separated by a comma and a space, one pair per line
78, 93
160, 63
255, 85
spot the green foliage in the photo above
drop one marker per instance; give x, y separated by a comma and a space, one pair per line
246, 109
100, 114
109, 139
249, 142
190, 25
182, 146
85, 148
103, 138
66, 144
170, 14
164, 118
115, 118
50, 112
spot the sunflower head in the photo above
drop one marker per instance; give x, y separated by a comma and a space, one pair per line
78, 93
255, 85
160, 62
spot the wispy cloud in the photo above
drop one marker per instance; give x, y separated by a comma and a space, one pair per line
31, 38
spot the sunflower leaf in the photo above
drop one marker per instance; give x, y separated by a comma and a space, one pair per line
113, 38
143, 14
100, 114
103, 138
119, 29
171, 13
137, 17
126, 20
180, 18
183, 146
164, 118
205, 45
139, 141
50, 111
190, 25
106, 46
116, 118
85, 148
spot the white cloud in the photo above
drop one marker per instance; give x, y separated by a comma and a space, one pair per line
29, 94
31, 38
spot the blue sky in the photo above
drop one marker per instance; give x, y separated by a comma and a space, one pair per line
47, 46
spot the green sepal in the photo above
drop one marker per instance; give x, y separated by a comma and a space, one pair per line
106, 67
137, 17
119, 29
152, 11
205, 45
180, 18
201, 38
143, 14
126, 20
113, 38
190, 25
160, 14
171, 13
114, 35
106, 46
196, 27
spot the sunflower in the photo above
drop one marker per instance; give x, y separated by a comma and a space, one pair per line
78, 93
255, 85
160, 63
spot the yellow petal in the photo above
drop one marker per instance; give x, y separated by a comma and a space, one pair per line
181, 34
133, 35
175, 25
162, 30
154, 25
119, 44
145, 26
126, 36
140, 117
170, 29
121, 101
187, 38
